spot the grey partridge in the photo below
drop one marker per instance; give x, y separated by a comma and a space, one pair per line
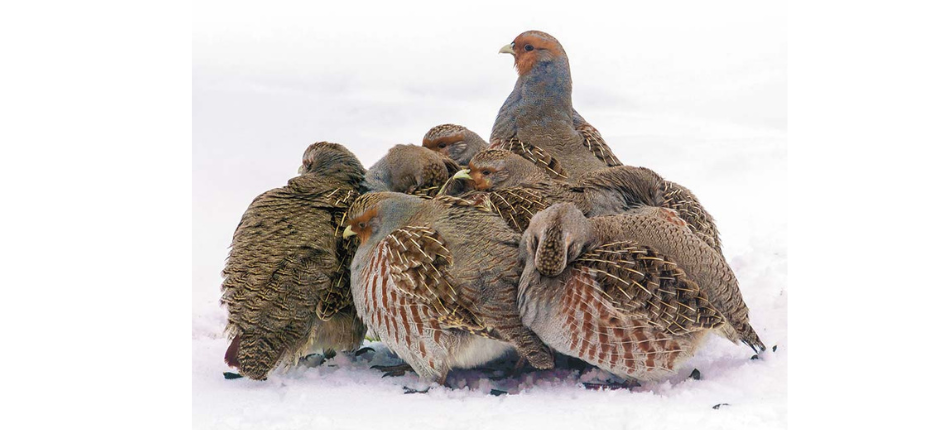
517, 189
455, 142
436, 280
410, 169
634, 293
537, 120
286, 279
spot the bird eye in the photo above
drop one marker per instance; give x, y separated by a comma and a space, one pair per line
486, 173
441, 145
362, 225
528, 47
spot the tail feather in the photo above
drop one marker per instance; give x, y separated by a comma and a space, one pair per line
751, 339
231, 354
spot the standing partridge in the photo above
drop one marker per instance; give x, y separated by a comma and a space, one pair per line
286, 283
436, 280
410, 169
538, 121
634, 293
455, 142
517, 189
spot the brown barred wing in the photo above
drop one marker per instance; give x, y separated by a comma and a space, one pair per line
533, 153
642, 282
418, 262
701, 223
591, 138
516, 205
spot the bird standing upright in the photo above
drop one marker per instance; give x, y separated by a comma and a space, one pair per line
286, 283
538, 121
436, 280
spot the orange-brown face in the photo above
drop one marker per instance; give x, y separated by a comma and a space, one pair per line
362, 225
482, 176
528, 48
442, 144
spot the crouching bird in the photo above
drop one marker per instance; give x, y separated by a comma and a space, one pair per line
286, 283
455, 142
634, 294
410, 169
436, 280
517, 189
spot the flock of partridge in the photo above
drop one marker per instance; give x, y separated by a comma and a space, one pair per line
461, 251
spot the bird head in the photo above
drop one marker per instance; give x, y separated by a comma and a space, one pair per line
409, 168
497, 169
533, 47
378, 214
331, 159
556, 236
454, 141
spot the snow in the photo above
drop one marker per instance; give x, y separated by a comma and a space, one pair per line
698, 102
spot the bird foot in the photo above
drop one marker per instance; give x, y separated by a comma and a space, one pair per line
409, 390
628, 384
312, 360
394, 370
363, 350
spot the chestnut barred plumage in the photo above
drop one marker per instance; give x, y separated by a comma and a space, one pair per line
436, 280
633, 293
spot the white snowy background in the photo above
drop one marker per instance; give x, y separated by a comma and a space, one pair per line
694, 90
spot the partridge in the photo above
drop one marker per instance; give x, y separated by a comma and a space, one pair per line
455, 142
634, 293
538, 121
436, 280
286, 279
410, 169
517, 189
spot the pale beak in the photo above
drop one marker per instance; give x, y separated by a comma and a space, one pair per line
507, 50
463, 174
348, 232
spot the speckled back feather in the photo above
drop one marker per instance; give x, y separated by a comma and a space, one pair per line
533, 153
639, 279
592, 139
286, 280
439, 281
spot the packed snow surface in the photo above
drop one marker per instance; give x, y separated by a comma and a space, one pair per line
741, 180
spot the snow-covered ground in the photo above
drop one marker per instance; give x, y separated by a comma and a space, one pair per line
695, 93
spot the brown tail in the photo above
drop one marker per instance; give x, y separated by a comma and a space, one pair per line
750, 338
231, 354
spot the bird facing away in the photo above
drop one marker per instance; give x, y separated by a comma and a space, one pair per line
634, 294
436, 280
538, 121
286, 279
518, 189
455, 142
410, 169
